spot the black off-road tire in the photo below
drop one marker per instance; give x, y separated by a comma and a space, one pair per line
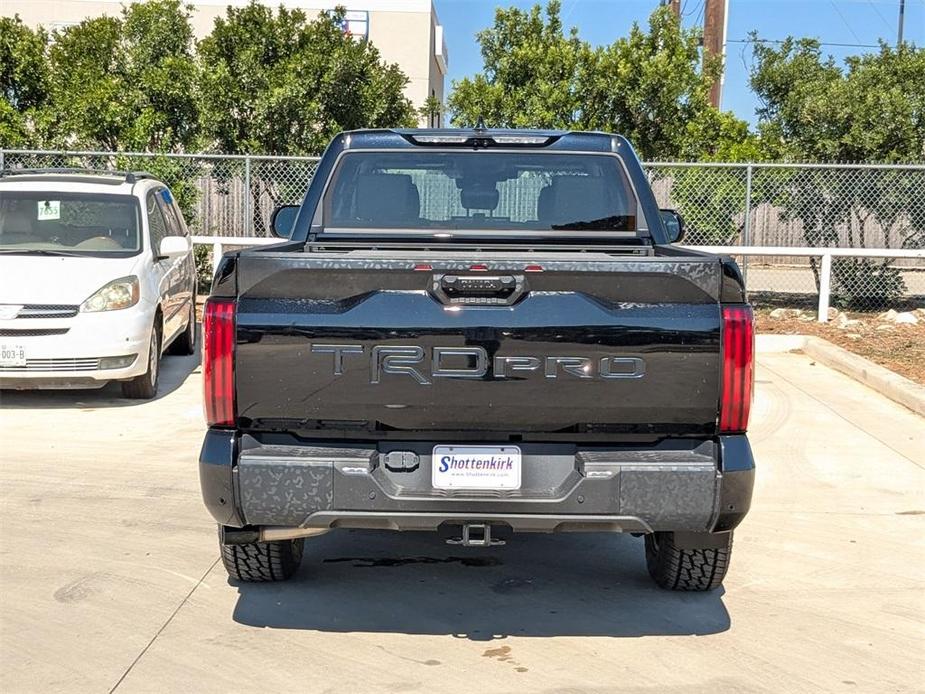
673, 568
185, 343
260, 562
144, 387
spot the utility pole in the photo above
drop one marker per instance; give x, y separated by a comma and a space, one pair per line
902, 16
714, 41
674, 4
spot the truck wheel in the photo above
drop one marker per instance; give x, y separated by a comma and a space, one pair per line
259, 562
674, 568
144, 387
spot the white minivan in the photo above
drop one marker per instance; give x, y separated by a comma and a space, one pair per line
97, 280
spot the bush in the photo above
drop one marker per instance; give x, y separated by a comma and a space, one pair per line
204, 271
865, 284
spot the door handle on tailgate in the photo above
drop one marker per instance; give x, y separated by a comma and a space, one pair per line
500, 290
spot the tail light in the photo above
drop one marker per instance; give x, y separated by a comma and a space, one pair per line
218, 332
738, 368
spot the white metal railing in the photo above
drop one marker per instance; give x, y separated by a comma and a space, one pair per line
218, 243
825, 254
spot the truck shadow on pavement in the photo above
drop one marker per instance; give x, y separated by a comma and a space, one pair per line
536, 585
174, 372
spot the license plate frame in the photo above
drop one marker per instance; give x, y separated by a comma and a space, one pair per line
12, 355
477, 468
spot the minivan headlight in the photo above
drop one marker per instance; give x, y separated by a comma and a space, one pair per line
120, 293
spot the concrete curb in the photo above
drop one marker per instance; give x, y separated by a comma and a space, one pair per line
892, 385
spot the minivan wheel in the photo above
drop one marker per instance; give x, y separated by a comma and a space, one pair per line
261, 562
144, 387
673, 568
185, 343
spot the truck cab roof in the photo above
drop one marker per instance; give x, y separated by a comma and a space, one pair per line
560, 140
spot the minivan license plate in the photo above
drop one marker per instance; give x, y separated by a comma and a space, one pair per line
12, 355
476, 467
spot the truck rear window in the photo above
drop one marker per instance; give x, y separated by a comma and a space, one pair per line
479, 190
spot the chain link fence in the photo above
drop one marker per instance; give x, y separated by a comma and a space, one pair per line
765, 205
808, 205
221, 195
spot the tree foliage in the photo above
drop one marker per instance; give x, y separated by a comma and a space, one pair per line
126, 83
264, 80
649, 86
23, 82
530, 76
275, 82
812, 109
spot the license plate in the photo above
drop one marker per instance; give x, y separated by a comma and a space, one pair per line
476, 467
12, 355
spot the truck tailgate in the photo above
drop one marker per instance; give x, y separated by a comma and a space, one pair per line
425, 342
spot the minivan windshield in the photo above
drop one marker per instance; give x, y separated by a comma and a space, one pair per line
50, 222
514, 191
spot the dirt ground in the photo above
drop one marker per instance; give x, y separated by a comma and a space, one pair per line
900, 348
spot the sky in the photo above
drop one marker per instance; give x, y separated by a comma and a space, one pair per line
859, 23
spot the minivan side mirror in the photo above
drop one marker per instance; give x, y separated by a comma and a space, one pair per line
674, 224
283, 220
173, 247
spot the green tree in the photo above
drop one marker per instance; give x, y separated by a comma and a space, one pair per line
277, 83
871, 109
712, 199
126, 83
23, 83
649, 86
161, 63
430, 110
531, 75
88, 85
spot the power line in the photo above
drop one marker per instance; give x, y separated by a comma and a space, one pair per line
882, 18
845, 21
569, 13
699, 20
821, 43
693, 10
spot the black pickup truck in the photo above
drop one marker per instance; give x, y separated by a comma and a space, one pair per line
478, 332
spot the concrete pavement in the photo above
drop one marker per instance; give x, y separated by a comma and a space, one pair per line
109, 577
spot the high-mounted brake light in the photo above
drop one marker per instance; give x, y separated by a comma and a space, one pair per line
520, 139
738, 337
481, 138
218, 330
441, 139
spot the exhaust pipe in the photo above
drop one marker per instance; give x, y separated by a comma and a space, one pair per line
272, 533
269, 533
